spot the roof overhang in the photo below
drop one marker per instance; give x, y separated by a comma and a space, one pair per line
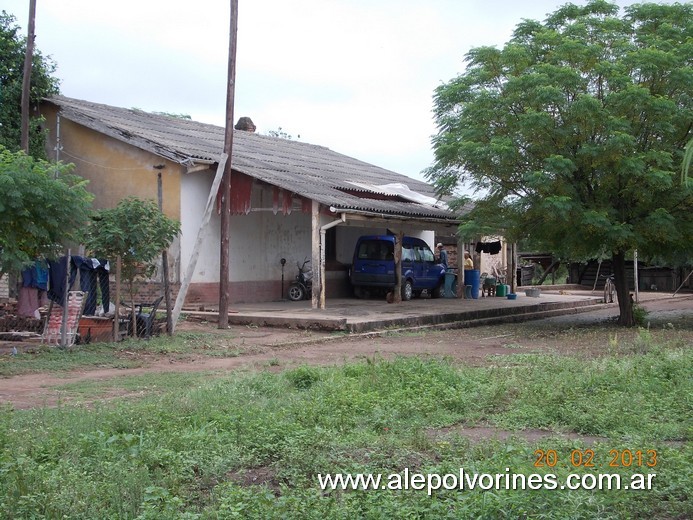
357, 218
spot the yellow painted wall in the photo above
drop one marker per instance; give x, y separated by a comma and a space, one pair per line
115, 169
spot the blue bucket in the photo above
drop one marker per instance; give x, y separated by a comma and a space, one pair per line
471, 277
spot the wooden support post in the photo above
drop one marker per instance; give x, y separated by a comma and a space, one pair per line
512, 266
226, 181
166, 286
323, 237
116, 318
26, 79
476, 257
315, 254
460, 268
397, 297
192, 263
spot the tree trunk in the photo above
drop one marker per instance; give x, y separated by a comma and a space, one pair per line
554, 265
625, 304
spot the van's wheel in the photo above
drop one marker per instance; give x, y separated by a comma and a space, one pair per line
296, 292
407, 290
437, 291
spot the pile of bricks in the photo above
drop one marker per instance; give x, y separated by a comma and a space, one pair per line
10, 322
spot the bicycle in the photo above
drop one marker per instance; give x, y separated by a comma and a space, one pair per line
609, 289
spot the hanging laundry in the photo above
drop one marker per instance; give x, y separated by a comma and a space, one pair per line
32, 292
92, 270
57, 271
492, 248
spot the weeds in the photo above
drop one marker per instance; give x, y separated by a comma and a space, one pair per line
639, 315
131, 353
172, 452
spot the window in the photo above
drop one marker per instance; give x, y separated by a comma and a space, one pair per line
407, 253
425, 254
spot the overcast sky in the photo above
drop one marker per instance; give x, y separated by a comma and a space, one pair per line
356, 76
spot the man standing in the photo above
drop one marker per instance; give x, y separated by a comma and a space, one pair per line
442, 255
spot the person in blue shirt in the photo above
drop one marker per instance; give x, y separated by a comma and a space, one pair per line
442, 255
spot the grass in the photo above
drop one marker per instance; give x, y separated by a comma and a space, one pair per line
127, 354
249, 445
53, 359
138, 385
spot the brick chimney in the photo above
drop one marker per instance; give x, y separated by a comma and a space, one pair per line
246, 124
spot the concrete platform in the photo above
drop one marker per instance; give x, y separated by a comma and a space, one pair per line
354, 315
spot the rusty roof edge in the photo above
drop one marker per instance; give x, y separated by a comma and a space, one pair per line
135, 140
418, 209
453, 220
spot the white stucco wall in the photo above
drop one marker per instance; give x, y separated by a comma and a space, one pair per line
257, 241
261, 239
194, 194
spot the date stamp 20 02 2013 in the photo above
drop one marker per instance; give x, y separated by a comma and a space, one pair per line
587, 458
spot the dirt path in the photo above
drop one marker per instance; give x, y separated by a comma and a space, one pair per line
276, 349
32, 390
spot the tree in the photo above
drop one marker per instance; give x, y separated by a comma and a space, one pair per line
42, 207
687, 160
279, 132
573, 133
43, 84
137, 231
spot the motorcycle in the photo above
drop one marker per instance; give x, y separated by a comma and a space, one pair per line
302, 287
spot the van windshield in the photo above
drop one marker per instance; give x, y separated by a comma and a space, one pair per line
376, 250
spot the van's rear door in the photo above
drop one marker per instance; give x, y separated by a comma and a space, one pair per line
373, 263
430, 272
411, 267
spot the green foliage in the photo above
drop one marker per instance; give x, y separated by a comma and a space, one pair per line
655, 376
42, 207
574, 131
43, 84
184, 452
137, 231
686, 163
303, 377
639, 315
279, 132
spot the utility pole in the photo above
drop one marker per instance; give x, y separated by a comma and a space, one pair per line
164, 257
226, 179
26, 79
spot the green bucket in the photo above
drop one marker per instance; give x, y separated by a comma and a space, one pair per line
501, 290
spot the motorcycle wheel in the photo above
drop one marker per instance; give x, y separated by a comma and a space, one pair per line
296, 292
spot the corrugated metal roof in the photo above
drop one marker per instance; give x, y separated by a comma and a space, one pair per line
312, 171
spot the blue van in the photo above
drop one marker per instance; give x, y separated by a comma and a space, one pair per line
373, 267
